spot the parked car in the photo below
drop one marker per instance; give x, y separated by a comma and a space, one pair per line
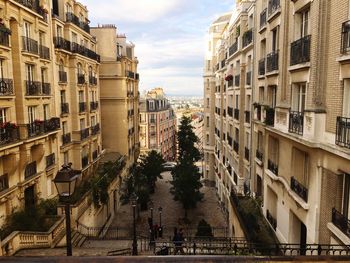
169, 166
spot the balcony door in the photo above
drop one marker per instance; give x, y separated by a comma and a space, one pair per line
31, 114
298, 97
272, 96
26, 29
304, 23
30, 72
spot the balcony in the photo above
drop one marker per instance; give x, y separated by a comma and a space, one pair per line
95, 129
66, 138
270, 116
34, 5
298, 188
84, 161
246, 153
30, 170
247, 116
130, 74
81, 79
52, 124
46, 89
82, 107
64, 108
273, 6
92, 80
9, 133
237, 80
93, 105
236, 114
62, 43
272, 167
259, 155
35, 128
5, 38
81, 50
72, 18
33, 88
62, 76
249, 78
30, 45
44, 52
296, 122
271, 219
341, 221
263, 18
342, 137
84, 134
6, 87
233, 48
50, 160
300, 51
235, 146
262, 67
345, 38
247, 37
230, 111
4, 182
272, 61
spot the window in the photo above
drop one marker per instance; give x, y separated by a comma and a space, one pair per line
65, 158
261, 94
274, 40
41, 38
4, 182
81, 96
263, 48
31, 114
345, 195
2, 69
273, 150
43, 75
59, 31
64, 127
74, 38
237, 102
3, 117
82, 124
29, 72
260, 142
79, 69
63, 96
93, 121
304, 23
46, 110
61, 66
272, 93
346, 99
26, 29
298, 97
236, 134
208, 121
300, 166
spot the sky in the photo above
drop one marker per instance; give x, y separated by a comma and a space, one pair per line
169, 38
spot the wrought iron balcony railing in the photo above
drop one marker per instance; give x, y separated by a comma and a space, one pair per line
64, 108
272, 166
30, 45
46, 89
85, 133
345, 38
35, 128
247, 37
66, 138
72, 18
30, 170
342, 137
93, 105
272, 61
273, 6
33, 88
270, 116
95, 129
271, 219
236, 114
44, 52
9, 134
6, 87
300, 51
341, 221
298, 188
233, 48
262, 66
62, 43
50, 160
263, 18
34, 5
52, 124
92, 80
62, 76
259, 155
296, 122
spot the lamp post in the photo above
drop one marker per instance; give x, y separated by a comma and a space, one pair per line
133, 200
160, 209
150, 205
65, 182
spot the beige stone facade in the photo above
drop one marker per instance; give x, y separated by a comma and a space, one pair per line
157, 124
299, 97
119, 92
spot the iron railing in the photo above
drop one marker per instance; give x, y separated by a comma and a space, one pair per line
95, 129
259, 155
62, 76
236, 114
271, 219
298, 188
247, 37
44, 52
52, 124
342, 137
30, 45
262, 66
300, 50
345, 37
46, 89
82, 107
233, 48
62, 43
263, 18
93, 105
341, 221
6, 87
9, 135
4, 39
72, 18
272, 167
272, 61
34, 5
30, 170
296, 122
85, 133
50, 160
66, 138
247, 116
64, 108
270, 116
33, 88
273, 6
35, 128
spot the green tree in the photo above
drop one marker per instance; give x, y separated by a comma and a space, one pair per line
186, 177
204, 229
151, 168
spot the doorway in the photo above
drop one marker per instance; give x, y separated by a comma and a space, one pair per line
29, 197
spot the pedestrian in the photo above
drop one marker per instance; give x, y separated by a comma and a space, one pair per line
181, 240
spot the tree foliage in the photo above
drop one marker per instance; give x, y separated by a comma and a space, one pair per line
151, 168
204, 229
186, 177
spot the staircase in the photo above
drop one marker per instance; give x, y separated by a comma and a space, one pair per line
78, 239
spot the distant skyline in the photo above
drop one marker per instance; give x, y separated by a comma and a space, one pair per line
169, 36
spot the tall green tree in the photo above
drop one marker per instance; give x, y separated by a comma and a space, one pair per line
186, 177
151, 168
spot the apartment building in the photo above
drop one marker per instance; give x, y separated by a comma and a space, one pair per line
157, 124
29, 121
300, 138
76, 69
119, 92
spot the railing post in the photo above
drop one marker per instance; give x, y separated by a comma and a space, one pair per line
319, 250
235, 248
194, 248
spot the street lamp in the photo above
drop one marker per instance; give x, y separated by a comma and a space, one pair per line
133, 199
151, 205
65, 182
160, 209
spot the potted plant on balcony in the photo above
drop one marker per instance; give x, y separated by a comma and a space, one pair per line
229, 77
3, 28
